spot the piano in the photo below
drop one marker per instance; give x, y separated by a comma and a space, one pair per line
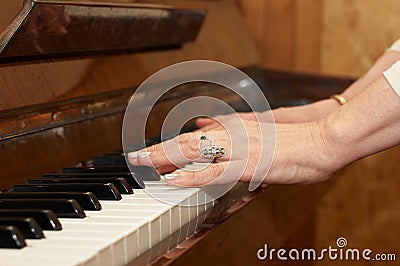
67, 71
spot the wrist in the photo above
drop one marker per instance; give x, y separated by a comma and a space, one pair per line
336, 143
307, 157
324, 107
331, 105
324, 148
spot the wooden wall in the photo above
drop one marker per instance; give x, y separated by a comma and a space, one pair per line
280, 27
342, 37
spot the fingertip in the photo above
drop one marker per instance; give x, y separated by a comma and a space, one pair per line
202, 121
138, 157
145, 161
171, 176
133, 155
132, 161
144, 154
177, 178
172, 179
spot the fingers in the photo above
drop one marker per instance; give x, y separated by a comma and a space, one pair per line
163, 169
206, 124
175, 152
215, 126
202, 122
197, 178
248, 116
215, 123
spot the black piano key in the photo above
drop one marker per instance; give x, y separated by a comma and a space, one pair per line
114, 153
120, 183
47, 219
152, 141
132, 180
131, 148
87, 200
102, 191
29, 228
63, 208
145, 173
99, 169
11, 237
109, 160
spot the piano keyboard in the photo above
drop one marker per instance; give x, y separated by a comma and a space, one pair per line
120, 223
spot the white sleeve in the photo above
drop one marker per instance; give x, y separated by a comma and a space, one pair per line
395, 46
392, 75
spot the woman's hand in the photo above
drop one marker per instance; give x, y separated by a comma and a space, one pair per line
205, 124
305, 113
297, 114
302, 154
239, 163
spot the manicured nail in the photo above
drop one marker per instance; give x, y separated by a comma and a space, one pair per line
133, 154
170, 176
144, 154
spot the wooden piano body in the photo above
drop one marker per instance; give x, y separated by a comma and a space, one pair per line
58, 109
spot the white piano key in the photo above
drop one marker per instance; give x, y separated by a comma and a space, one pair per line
200, 210
32, 255
193, 214
117, 235
93, 261
160, 217
120, 232
73, 234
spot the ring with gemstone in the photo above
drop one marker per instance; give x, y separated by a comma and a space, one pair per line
203, 136
208, 148
213, 151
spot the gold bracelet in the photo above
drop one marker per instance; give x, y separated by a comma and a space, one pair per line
340, 99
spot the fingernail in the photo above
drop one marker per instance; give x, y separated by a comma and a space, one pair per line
133, 154
144, 154
170, 176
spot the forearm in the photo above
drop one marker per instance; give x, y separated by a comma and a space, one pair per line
383, 63
368, 123
318, 110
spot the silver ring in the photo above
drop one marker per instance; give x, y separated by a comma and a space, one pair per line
208, 148
213, 151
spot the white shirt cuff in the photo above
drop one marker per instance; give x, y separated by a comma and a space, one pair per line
392, 75
395, 46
